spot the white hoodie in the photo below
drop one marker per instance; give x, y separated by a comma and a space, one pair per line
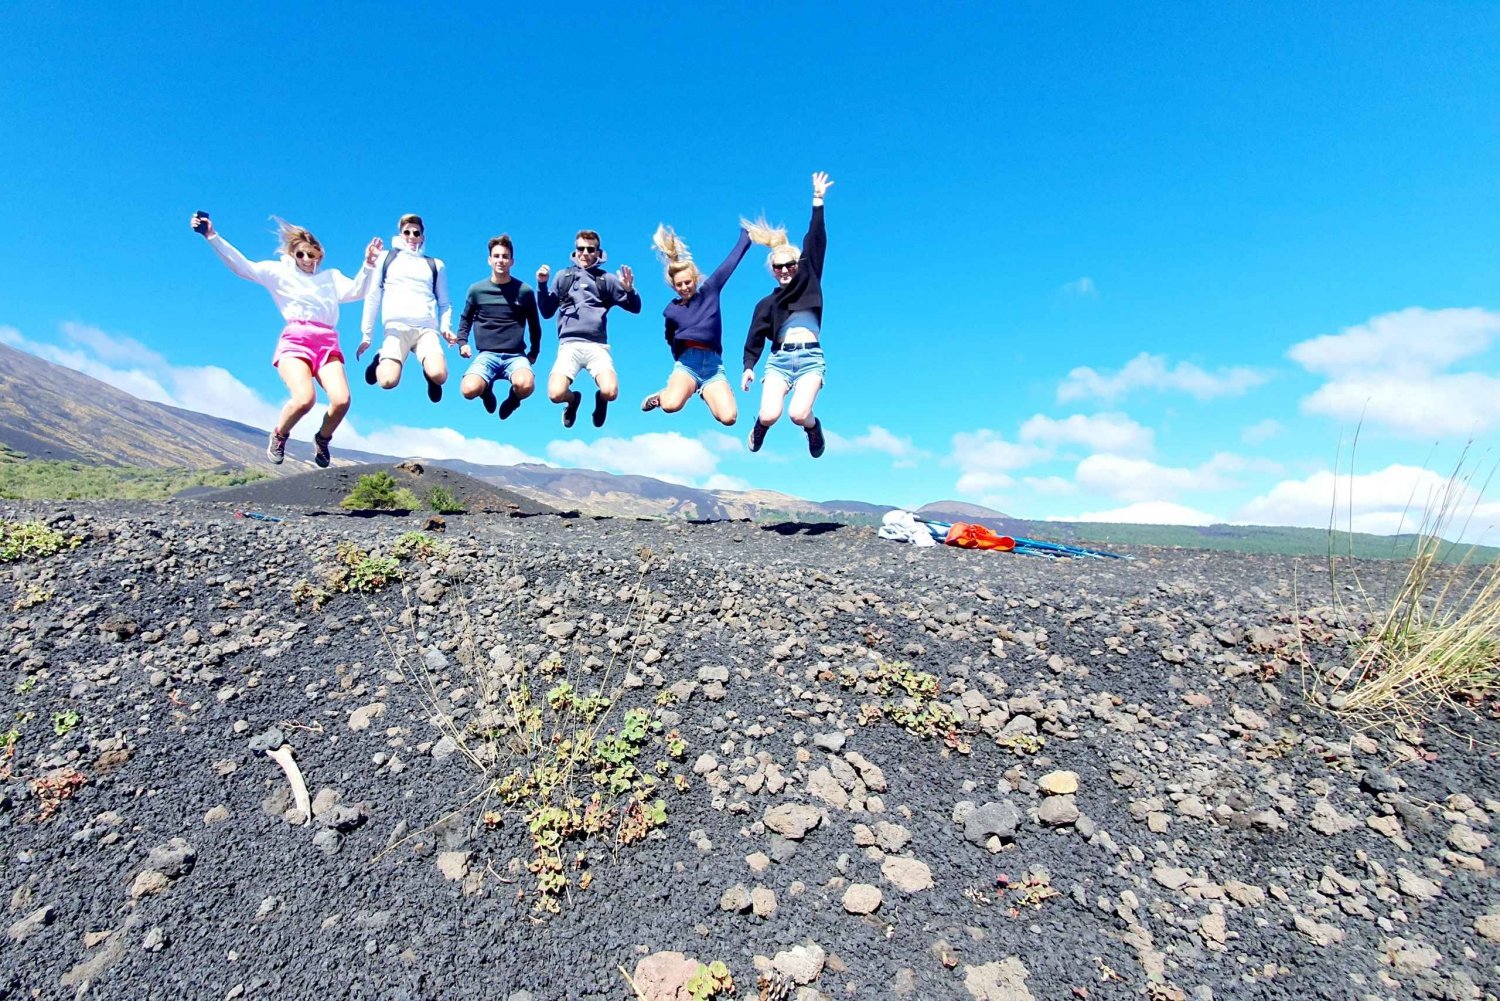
408, 293
299, 295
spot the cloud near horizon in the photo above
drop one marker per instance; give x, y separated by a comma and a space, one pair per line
665, 455
1150, 372
903, 453
1390, 500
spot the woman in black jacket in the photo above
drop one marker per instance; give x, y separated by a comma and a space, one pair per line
791, 320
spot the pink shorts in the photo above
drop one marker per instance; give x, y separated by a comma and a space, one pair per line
315, 343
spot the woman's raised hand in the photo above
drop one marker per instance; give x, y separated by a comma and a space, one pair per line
821, 183
208, 224
372, 252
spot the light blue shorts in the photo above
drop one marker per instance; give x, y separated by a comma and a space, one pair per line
702, 366
492, 365
798, 363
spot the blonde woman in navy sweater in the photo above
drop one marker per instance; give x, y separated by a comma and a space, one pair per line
790, 319
695, 329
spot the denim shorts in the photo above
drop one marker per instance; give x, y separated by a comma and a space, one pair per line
797, 363
702, 366
492, 365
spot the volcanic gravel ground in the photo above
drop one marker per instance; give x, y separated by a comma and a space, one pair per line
326, 488
1227, 838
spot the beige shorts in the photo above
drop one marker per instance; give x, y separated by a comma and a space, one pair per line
576, 355
401, 340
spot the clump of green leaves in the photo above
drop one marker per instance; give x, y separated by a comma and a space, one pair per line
355, 569
444, 501
710, 981
418, 545
31, 596
64, 722
379, 491
1021, 743
911, 702
24, 540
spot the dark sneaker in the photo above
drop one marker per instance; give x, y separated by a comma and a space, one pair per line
651, 402
570, 412
488, 399
757, 435
434, 389
320, 451
276, 448
815, 439
370, 369
601, 408
507, 408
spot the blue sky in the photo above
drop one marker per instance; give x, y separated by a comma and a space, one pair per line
1084, 260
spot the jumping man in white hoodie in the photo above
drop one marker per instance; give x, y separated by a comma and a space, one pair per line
413, 291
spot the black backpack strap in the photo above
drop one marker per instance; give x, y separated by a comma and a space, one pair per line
385, 266
432, 264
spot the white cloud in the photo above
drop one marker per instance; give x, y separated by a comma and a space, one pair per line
985, 460
1114, 433
113, 348
980, 483
723, 481
1394, 499
903, 453
664, 455
1084, 288
1147, 513
429, 443
1262, 431
1148, 371
11, 336
1390, 372
1050, 485
1132, 479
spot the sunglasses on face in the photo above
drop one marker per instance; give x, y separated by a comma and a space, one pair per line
307, 255
587, 250
411, 232
784, 266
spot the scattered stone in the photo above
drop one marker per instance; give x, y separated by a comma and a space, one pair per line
1170, 877
763, 901
361, 718
1488, 927
663, 976
1057, 811
792, 820
736, 899
453, 865
1002, 981
1416, 886
991, 820
1058, 783
1319, 932
32, 923
830, 742
862, 898
802, 964
908, 874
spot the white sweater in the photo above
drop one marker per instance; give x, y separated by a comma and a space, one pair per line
299, 295
408, 296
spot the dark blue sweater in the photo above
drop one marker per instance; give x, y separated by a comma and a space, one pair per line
698, 320
590, 294
803, 292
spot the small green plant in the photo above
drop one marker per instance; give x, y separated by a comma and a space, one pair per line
444, 501
64, 722
417, 545
666, 697
1021, 743
32, 596
710, 982
912, 704
8, 741
22, 540
379, 491
26, 686
306, 591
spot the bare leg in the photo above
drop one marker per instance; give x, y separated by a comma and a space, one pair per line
803, 397
719, 396
680, 388
388, 374
299, 383
772, 393
335, 383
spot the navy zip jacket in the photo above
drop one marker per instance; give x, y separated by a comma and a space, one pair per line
591, 293
699, 321
803, 292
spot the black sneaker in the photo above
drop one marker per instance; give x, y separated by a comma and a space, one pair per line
757, 435
320, 451
815, 439
434, 389
488, 399
651, 402
570, 412
276, 448
509, 405
370, 369
601, 409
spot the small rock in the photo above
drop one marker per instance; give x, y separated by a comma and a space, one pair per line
1170, 877
862, 898
792, 820
991, 820
1002, 981
361, 718
453, 865
908, 874
736, 899
1057, 811
763, 901
32, 923
1059, 783
830, 742
802, 965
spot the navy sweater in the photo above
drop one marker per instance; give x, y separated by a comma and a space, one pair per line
591, 293
803, 292
499, 314
699, 320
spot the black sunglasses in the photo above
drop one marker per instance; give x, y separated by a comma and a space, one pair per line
411, 232
587, 250
305, 255
785, 266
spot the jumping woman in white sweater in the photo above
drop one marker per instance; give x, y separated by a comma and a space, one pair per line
309, 301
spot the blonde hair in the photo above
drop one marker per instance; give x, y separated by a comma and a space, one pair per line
763, 233
674, 253
291, 236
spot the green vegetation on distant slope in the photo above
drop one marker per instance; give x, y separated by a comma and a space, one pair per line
46, 479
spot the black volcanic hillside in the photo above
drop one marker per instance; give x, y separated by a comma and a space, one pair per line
325, 488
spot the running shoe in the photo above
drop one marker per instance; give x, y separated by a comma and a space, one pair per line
815, 439
601, 409
370, 369
488, 399
320, 451
570, 412
434, 389
651, 402
276, 448
757, 435
512, 401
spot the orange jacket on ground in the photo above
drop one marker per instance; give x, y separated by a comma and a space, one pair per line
967, 536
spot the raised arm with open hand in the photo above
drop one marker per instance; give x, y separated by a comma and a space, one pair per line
821, 184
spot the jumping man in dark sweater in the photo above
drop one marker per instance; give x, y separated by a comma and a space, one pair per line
790, 319
581, 296
497, 308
